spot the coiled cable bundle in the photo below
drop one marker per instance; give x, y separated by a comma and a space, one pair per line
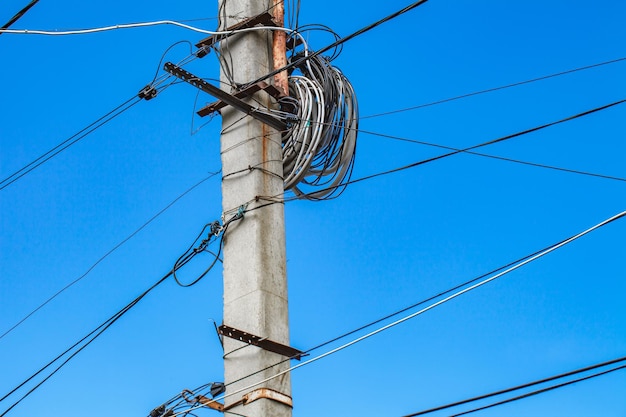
319, 148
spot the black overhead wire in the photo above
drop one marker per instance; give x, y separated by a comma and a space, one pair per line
69, 142
94, 334
480, 145
490, 90
541, 391
300, 61
501, 158
527, 385
148, 92
103, 257
18, 15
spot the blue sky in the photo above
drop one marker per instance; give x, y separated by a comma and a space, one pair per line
386, 243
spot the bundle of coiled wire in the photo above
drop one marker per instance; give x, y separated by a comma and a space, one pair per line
319, 148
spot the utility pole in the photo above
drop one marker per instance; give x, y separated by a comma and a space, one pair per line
255, 279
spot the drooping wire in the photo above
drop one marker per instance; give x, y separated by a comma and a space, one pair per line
473, 285
94, 334
519, 387
108, 253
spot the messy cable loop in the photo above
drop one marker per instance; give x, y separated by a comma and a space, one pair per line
215, 230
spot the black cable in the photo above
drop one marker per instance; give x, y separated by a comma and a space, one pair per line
541, 391
69, 142
103, 257
530, 384
94, 334
18, 15
480, 145
501, 158
489, 90
341, 41
441, 294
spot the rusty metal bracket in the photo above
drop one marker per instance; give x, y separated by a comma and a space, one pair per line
246, 92
212, 404
225, 97
263, 343
259, 393
264, 19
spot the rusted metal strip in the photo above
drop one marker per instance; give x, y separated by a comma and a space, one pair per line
259, 393
279, 47
260, 342
264, 19
268, 393
212, 404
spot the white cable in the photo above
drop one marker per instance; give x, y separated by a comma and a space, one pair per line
417, 313
139, 25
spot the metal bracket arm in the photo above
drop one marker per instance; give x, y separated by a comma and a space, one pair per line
225, 97
246, 92
259, 393
265, 344
264, 19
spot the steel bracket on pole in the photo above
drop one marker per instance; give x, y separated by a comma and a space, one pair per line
259, 393
264, 19
223, 96
261, 342
246, 92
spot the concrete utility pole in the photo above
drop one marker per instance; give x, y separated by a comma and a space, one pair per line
255, 279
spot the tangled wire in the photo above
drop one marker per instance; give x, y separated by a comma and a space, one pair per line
319, 148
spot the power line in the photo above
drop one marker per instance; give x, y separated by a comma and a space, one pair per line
339, 42
518, 387
18, 15
148, 92
103, 257
491, 142
541, 391
501, 158
275, 199
214, 232
45, 157
490, 90
503, 271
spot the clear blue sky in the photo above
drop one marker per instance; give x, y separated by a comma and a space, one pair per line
384, 244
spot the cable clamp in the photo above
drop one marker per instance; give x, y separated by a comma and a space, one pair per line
241, 211
216, 228
147, 93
